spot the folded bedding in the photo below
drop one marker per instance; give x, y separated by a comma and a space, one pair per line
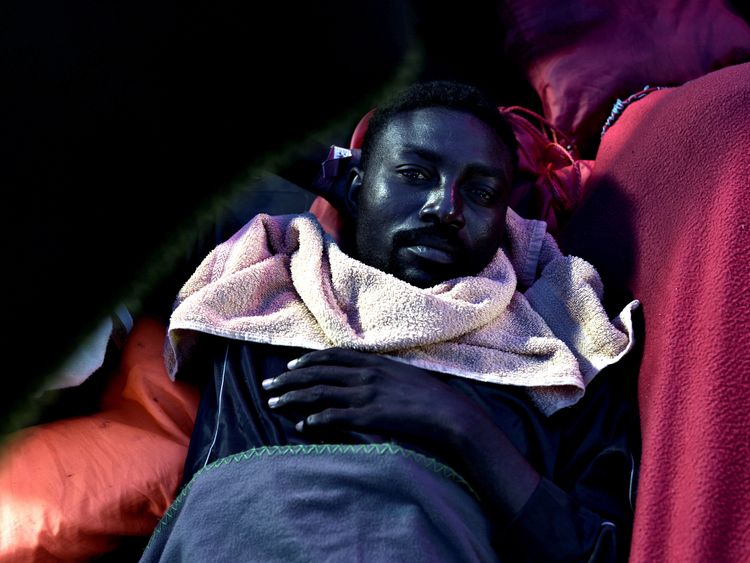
367, 502
77, 488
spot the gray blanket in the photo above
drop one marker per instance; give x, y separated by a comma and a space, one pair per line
321, 503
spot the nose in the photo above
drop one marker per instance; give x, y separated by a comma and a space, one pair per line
444, 205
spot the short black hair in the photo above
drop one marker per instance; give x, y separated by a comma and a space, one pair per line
443, 94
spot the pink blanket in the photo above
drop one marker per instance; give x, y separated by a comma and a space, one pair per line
668, 215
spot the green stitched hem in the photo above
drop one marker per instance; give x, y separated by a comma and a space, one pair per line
314, 449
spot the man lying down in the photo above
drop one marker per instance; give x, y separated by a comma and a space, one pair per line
422, 391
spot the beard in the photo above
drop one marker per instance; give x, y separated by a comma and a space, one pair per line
425, 273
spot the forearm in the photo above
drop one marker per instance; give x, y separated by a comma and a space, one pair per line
533, 519
502, 477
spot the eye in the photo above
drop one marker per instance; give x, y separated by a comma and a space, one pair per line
482, 194
413, 174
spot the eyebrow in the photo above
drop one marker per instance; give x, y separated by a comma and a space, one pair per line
473, 168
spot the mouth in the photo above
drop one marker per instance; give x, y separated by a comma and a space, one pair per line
431, 253
433, 249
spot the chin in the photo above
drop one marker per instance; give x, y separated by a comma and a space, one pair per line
422, 279
423, 273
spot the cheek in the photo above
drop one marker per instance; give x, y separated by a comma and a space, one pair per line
484, 234
374, 230
390, 206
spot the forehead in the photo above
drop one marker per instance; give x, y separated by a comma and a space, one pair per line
451, 133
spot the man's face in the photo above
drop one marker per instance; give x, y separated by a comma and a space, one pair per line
431, 205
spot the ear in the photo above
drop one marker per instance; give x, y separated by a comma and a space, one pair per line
352, 191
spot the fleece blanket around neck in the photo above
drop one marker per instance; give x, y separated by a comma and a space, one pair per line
282, 280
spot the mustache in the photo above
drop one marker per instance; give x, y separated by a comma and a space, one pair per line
436, 236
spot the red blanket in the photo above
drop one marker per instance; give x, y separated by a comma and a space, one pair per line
668, 215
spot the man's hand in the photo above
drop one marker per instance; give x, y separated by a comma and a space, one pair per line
346, 390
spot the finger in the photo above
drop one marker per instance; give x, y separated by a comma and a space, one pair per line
341, 419
320, 397
313, 375
336, 356
373, 419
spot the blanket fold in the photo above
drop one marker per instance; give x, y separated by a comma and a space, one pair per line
282, 280
312, 503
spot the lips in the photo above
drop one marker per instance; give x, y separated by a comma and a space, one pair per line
432, 254
433, 250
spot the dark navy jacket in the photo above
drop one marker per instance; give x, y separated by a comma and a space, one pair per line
587, 454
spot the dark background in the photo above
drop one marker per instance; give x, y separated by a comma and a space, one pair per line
122, 127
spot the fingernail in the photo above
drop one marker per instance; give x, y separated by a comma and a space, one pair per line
292, 364
273, 401
267, 383
300, 425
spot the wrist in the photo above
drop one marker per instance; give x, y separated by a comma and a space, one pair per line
489, 461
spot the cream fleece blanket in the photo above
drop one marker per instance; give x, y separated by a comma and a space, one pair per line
282, 280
